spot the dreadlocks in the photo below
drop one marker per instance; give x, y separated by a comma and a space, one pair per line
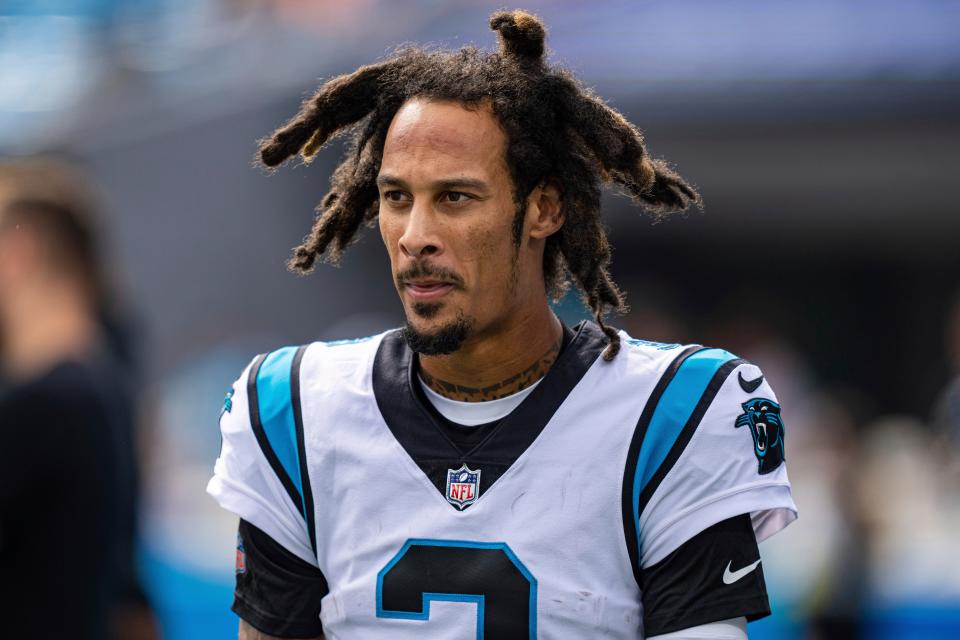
556, 130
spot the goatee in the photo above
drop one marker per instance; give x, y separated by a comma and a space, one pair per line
438, 342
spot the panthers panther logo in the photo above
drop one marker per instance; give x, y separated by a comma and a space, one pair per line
766, 427
227, 403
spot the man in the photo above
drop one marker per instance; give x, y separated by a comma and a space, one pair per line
487, 472
67, 465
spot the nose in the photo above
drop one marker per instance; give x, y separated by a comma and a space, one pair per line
419, 237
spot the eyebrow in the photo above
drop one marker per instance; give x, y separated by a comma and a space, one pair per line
446, 184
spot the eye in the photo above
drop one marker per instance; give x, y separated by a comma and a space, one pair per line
456, 197
394, 196
764, 408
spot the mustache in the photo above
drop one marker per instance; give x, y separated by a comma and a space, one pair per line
421, 270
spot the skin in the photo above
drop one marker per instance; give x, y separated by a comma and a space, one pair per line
46, 314
446, 212
249, 633
512, 384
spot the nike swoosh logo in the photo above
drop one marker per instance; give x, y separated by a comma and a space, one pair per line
748, 385
729, 577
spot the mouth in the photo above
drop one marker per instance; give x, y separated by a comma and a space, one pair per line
427, 290
761, 436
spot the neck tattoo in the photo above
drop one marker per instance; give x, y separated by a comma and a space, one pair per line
506, 387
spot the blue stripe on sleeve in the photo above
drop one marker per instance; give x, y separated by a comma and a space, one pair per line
676, 405
276, 412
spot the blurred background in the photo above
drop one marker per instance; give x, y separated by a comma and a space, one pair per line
821, 134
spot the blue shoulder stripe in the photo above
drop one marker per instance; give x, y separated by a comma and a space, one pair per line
276, 412
676, 405
274, 397
674, 409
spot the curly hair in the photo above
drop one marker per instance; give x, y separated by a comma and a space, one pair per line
556, 129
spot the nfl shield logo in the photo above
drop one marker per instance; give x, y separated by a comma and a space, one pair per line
463, 486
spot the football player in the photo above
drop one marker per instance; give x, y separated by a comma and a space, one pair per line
486, 471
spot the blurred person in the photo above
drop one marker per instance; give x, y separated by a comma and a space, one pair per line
947, 408
487, 471
68, 481
837, 602
910, 507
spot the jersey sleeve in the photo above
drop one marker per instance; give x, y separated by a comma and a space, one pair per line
277, 592
713, 576
261, 474
712, 449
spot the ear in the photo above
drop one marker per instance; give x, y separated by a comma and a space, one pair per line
545, 213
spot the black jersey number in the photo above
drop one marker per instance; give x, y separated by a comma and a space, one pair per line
485, 573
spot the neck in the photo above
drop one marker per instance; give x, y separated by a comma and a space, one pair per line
490, 366
43, 328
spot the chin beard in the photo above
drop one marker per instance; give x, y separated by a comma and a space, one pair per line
441, 341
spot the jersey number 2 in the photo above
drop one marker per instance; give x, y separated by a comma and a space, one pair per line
486, 573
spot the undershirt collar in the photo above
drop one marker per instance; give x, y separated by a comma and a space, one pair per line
472, 414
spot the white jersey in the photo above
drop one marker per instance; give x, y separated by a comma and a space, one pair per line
543, 529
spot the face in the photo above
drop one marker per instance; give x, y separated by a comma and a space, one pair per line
446, 217
23, 261
10, 260
17, 270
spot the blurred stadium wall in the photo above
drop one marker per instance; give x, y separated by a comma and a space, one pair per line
822, 135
